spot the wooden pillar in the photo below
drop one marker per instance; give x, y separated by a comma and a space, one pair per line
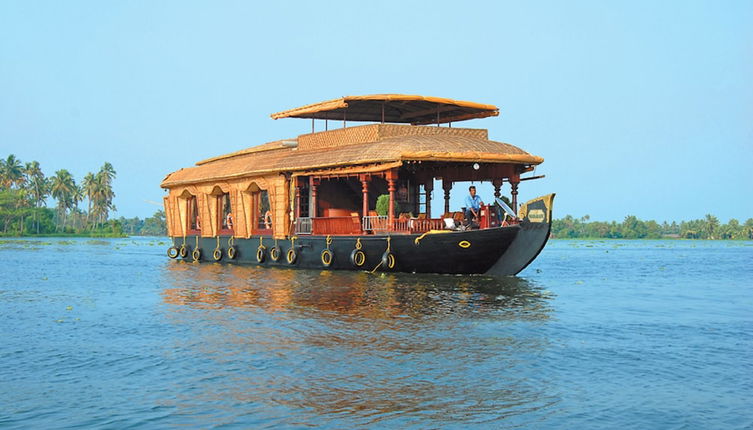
313, 183
391, 177
447, 186
497, 185
514, 192
428, 187
365, 190
297, 199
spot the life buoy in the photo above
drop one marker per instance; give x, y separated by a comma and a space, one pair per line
260, 254
196, 254
183, 251
172, 252
274, 253
327, 258
267, 220
217, 254
357, 258
388, 260
231, 253
291, 256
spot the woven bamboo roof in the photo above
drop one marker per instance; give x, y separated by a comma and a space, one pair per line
383, 144
392, 108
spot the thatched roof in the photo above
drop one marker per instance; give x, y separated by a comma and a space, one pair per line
355, 146
392, 108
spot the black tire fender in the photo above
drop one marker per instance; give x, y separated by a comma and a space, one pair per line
327, 258
388, 260
357, 258
291, 256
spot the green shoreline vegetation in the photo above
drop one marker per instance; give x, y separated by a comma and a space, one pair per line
24, 190
23, 212
708, 228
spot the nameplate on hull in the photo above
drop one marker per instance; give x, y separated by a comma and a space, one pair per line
536, 215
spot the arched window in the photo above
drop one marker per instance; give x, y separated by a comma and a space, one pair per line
260, 215
193, 221
227, 220
263, 210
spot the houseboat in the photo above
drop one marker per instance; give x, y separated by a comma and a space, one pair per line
360, 197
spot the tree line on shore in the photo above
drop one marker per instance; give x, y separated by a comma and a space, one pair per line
24, 190
633, 228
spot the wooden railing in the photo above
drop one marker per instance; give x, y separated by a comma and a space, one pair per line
365, 225
417, 225
336, 225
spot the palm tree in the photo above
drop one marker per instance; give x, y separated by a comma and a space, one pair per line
38, 187
108, 174
63, 188
11, 172
711, 225
88, 186
102, 192
76, 197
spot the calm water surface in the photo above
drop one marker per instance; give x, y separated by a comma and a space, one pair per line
594, 334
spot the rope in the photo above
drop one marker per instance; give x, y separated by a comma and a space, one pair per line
377, 266
418, 239
389, 239
261, 243
328, 241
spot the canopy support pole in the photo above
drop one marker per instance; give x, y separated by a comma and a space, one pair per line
447, 186
391, 188
497, 185
313, 183
297, 199
365, 190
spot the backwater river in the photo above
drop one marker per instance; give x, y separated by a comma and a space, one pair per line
594, 334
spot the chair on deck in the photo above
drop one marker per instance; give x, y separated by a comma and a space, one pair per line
356, 222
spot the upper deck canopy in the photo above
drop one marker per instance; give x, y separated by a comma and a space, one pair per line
393, 108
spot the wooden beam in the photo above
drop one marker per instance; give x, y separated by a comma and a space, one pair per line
425, 112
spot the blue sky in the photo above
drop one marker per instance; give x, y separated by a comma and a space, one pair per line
642, 108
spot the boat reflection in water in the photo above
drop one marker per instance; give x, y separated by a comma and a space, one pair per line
360, 348
358, 293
